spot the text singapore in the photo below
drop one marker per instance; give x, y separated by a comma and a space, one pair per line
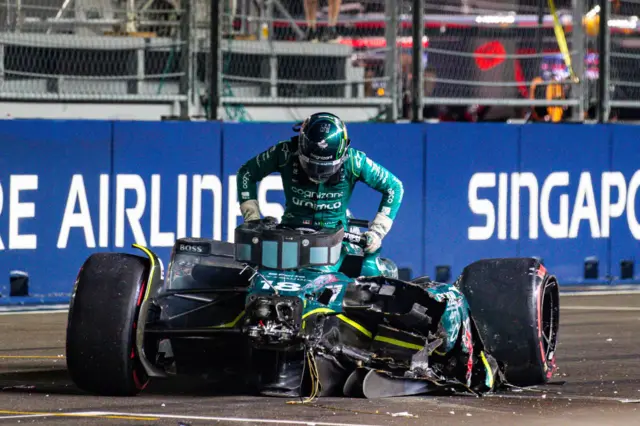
501, 212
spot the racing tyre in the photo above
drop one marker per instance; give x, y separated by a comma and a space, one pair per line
515, 304
101, 354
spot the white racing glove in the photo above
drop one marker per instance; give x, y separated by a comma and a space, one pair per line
250, 210
378, 229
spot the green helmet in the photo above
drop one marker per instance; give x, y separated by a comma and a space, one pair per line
322, 146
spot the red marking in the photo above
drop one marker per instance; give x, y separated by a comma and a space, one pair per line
542, 271
466, 339
540, 323
142, 288
491, 48
433, 24
137, 382
374, 24
379, 42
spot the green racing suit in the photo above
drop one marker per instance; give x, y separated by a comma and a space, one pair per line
324, 204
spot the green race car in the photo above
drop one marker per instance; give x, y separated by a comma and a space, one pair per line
264, 313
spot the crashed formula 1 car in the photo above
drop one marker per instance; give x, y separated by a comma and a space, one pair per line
264, 312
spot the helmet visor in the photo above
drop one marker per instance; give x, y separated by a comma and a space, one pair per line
320, 171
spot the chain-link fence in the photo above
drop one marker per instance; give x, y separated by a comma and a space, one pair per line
279, 52
93, 50
536, 59
624, 52
504, 57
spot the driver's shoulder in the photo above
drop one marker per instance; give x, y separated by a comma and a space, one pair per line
356, 161
283, 149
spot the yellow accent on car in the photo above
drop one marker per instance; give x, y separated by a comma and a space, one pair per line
232, 323
341, 317
397, 342
488, 368
153, 267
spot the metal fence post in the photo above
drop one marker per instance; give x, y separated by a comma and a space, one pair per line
417, 83
215, 56
186, 60
391, 64
604, 45
578, 46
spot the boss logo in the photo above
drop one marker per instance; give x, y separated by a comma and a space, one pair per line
192, 248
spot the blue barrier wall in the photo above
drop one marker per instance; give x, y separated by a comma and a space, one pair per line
48, 168
560, 192
463, 163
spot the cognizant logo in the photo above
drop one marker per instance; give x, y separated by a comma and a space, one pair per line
617, 199
313, 194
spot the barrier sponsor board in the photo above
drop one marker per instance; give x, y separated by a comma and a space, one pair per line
560, 192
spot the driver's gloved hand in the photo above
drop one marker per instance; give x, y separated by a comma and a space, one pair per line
377, 231
250, 210
374, 241
270, 220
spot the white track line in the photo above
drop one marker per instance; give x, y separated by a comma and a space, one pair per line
38, 312
24, 416
553, 395
599, 293
219, 419
600, 308
33, 307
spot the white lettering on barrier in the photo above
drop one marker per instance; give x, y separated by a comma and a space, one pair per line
269, 183
582, 211
77, 197
158, 238
104, 211
212, 183
21, 210
523, 180
233, 208
134, 214
181, 211
482, 206
632, 218
82, 219
610, 180
553, 230
617, 199
502, 208
568, 221
130, 207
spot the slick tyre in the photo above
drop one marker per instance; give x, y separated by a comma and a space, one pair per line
100, 347
515, 304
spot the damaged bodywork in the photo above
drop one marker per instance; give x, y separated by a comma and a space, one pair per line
266, 311
395, 328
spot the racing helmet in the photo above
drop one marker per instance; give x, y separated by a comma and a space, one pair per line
322, 146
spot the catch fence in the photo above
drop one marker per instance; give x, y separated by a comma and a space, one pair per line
544, 60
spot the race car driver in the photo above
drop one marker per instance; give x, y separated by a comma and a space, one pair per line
319, 170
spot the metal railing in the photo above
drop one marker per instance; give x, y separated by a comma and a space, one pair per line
543, 60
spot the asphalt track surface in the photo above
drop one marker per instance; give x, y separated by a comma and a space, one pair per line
598, 358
